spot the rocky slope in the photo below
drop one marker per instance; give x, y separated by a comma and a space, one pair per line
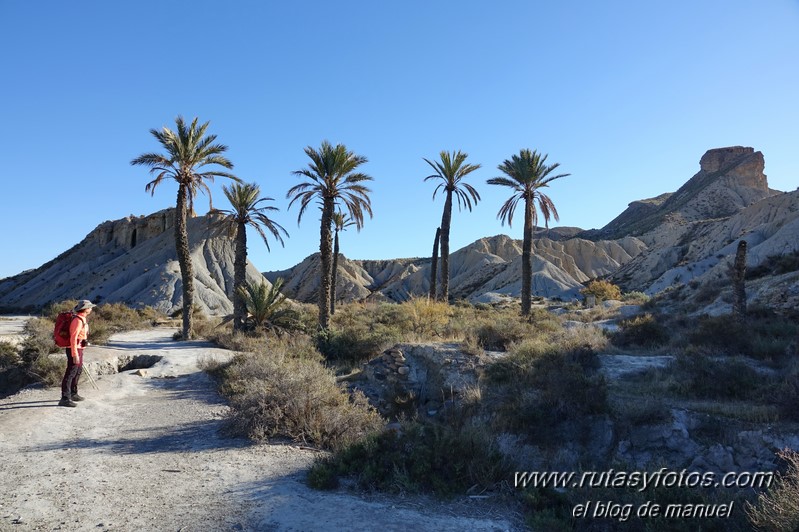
482, 271
674, 239
134, 261
700, 225
656, 243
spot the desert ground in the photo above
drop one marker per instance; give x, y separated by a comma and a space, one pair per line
144, 451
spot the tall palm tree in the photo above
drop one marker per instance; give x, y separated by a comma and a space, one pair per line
187, 150
527, 174
247, 211
451, 170
340, 223
434, 264
331, 180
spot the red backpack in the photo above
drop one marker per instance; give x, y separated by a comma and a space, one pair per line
61, 330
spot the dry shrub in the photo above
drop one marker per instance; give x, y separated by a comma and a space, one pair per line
273, 393
778, 508
428, 318
602, 290
239, 341
9, 356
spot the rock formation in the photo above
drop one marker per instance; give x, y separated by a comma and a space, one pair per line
687, 237
133, 261
480, 271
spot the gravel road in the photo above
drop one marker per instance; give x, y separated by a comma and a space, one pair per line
145, 453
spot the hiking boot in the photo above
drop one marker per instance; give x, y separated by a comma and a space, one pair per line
67, 402
76, 397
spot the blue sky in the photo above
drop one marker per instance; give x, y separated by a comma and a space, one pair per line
625, 95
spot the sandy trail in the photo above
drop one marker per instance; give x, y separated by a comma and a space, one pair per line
145, 453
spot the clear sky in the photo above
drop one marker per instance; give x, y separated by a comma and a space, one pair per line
625, 95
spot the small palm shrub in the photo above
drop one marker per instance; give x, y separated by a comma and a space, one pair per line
267, 308
602, 290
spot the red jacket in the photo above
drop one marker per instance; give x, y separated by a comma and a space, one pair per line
78, 331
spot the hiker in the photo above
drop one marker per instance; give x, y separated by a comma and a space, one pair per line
78, 334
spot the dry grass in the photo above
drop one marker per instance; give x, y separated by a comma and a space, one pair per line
285, 391
778, 508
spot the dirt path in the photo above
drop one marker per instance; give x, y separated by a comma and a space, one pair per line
144, 453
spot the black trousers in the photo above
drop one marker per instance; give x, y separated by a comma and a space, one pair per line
69, 384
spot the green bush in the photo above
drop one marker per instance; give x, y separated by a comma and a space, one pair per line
419, 457
540, 386
643, 331
351, 347
700, 376
635, 298
786, 397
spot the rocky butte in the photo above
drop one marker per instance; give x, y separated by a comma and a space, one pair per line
133, 260
681, 238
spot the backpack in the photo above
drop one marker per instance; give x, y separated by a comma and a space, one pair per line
61, 329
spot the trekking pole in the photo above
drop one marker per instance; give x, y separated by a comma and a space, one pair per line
89, 373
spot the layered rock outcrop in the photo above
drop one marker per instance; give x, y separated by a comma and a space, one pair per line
133, 261
729, 179
700, 225
487, 267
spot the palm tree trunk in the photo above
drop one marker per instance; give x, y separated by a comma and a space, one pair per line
434, 264
527, 257
738, 288
325, 252
184, 260
335, 275
240, 278
446, 220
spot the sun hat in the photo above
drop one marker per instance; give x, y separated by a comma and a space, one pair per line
83, 305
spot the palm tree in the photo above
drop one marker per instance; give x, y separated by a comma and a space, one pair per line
451, 170
245, 200
434, 264
187, 151
340, 223
331, 180
527, 174
264, 304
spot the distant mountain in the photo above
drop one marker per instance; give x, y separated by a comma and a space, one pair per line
692, 236
133, 261
729, 179
681, 239
654, 244
482, 271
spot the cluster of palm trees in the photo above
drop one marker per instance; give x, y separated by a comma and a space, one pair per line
332, 180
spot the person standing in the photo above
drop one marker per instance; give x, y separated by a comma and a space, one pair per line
78, 335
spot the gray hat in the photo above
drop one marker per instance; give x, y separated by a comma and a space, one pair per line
83, 305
